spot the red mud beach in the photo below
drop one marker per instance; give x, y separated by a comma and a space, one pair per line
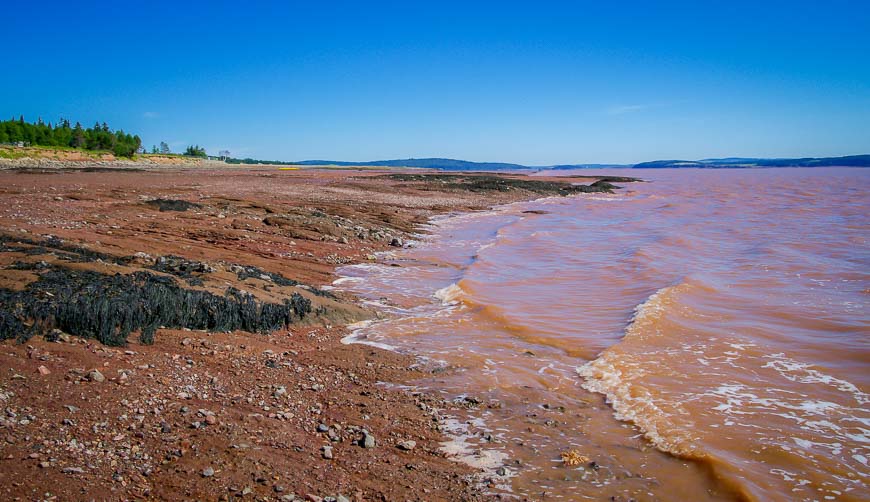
293, 414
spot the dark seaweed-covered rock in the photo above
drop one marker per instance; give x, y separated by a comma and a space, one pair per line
110, 307
604, 184
620, 179
55, 246
483, 183
243, 273
256, 273
183, 268
173, 205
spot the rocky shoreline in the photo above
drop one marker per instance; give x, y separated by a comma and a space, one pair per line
235, 383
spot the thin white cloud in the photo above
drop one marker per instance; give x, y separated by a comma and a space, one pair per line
623, 109
151, 115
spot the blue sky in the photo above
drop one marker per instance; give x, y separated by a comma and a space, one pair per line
530, 82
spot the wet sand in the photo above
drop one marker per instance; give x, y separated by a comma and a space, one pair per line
200, 415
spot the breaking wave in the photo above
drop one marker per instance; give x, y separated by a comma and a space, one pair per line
450, 295
613, 374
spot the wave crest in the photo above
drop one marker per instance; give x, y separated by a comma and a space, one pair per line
615, 374
450, 295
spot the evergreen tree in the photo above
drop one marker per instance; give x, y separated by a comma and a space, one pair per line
78, 137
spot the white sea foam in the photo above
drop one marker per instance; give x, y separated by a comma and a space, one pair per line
358, 336
343, 280
461, 449
797, 371
450, 295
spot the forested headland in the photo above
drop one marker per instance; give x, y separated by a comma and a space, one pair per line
64, 135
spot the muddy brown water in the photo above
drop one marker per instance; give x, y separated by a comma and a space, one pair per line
700, 336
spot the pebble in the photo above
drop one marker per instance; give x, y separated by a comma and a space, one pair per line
278, 488
407, 445
207, 472
60, 336
322, 428
342, 498
43, 370
368, 441
96, 376
72, 470
327, 452
210, 419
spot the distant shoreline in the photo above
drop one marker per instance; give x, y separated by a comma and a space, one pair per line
49, 157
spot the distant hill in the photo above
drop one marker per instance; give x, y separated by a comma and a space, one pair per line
446, 164
464, 165
738, 162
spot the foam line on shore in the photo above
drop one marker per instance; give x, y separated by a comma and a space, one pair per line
357, 336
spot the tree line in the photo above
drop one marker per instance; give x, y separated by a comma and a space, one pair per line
62, 134
99, 137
